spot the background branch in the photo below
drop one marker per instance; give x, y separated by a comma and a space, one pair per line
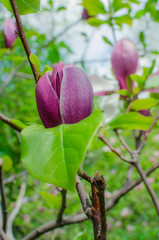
16, 209
10, 123
3, 197
23, 37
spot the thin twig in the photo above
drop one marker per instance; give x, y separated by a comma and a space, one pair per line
3, 197
83, 198
126, 188
85, 176
149, 189
60, 34
23, 36
123, 142
10, 123
63, 206
147, 133
82, 217
101, 137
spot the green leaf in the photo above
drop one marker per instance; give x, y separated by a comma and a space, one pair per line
107, 40
94, 7
139, 79
7, 163
61, 8
46, 69
95, 21
124, 92
123, 19
52, 201
53, 155
152, 82
142, 104
142, 38
24, 6
131, 121
35, 60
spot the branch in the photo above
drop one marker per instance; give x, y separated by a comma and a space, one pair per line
123, 142
125, 189
82, 217
149, 189
147, 133
101, 137
53, 225
63, 206
10, 123
23, 37
3, 196
85, 176
3, 236
83, 198
100, 184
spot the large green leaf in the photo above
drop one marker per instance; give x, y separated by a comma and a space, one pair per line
54, 155
131, 121
24, 6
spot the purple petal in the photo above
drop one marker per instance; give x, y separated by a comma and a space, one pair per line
57, 76
47, 102
10, 29
76, 95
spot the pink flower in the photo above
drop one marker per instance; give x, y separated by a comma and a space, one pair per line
64, 96
124, 61
9, 31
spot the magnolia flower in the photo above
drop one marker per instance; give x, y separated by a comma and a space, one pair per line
9, 31
64, 96
124, 61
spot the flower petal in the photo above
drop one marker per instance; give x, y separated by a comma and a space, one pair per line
47, 102
76, 95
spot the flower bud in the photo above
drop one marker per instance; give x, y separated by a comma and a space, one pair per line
64, 96
124, 61
85, 14
9, 31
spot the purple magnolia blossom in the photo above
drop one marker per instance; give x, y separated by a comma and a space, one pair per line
9, 31
64, 96
85, 14
124, 61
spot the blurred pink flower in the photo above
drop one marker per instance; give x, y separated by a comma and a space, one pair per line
139, 187
125, 212
151, 180
118, 224
26, 218
129, 228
